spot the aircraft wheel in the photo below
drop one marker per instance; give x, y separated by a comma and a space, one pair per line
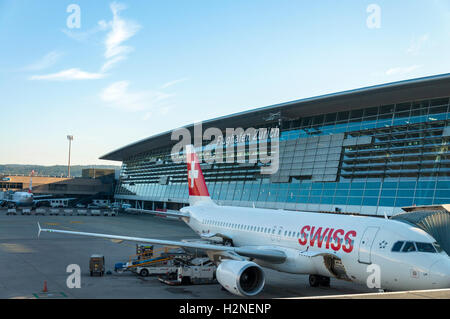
325, 281
314, 280
228, 242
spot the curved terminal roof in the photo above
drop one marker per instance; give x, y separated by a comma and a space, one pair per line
397, 92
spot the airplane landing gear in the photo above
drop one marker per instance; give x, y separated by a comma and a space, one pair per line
316, 281
228, 242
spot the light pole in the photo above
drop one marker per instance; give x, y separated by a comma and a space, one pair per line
70, 138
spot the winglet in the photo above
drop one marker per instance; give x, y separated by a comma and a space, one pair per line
40, 229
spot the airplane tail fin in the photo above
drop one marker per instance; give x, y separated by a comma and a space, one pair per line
198, 192
30, 189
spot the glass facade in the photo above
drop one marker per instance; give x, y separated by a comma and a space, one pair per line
371, 160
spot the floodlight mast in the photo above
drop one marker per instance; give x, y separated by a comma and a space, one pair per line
70, 139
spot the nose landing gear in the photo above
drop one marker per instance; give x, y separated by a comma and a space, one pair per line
316, 281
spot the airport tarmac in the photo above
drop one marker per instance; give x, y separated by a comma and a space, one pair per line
28, 261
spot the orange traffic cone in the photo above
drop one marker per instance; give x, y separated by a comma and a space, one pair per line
45, 286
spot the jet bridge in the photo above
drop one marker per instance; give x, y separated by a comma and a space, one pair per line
434, 219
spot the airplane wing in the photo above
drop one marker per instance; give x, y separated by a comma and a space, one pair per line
312, 254
169, 213
48, 199
266, 254
42, 196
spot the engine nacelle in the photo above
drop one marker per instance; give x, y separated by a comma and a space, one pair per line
242, 278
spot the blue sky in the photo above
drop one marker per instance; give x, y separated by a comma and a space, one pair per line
138, 68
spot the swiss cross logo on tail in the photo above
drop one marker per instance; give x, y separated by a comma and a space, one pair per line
197, 185
193, 173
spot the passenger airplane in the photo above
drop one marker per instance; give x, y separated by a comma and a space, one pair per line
25, 199
22, 198
318, 244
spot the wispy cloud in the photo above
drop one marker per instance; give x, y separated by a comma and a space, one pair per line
171, 83
402, 70
82, 36
45, 62
68, 75
120, 30
118, 95
417, 44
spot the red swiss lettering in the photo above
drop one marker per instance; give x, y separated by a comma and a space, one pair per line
318, 235
304, 235
349, 241
337, 239
329, 238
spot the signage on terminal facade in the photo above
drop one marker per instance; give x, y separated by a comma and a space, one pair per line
249, 135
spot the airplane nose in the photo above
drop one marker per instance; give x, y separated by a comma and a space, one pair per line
440, 273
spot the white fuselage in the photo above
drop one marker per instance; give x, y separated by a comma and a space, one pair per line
359, 242
22, 199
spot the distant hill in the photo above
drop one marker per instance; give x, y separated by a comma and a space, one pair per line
57, 170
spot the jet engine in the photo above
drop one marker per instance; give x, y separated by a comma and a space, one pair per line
242, 278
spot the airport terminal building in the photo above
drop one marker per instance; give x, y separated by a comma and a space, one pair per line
369, 151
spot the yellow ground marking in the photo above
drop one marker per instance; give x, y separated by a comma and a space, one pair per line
52, 224
76, 222
16, 248
117, 241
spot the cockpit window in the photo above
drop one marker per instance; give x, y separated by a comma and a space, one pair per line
438, 247
425, 248
409, 247
397, 246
